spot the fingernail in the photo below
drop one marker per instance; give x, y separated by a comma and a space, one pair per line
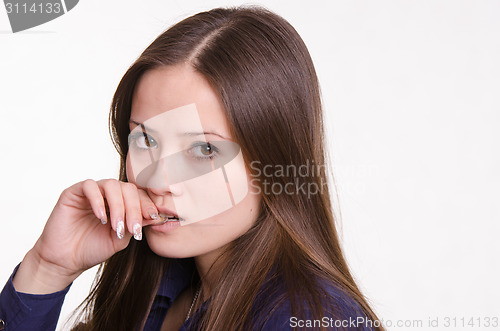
137, 231
102, 213
120, 227
153, 213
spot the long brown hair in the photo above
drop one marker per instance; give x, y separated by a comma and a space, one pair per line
261, 69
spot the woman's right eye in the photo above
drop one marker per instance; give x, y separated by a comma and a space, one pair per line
142, 140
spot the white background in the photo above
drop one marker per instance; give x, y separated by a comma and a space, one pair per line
411, 93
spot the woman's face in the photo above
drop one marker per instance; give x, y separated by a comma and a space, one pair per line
218, 205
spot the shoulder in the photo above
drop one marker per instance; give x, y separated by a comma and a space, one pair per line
340, 311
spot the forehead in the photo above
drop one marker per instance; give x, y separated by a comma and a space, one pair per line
165, 88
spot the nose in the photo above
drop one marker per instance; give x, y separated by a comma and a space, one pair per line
154, 177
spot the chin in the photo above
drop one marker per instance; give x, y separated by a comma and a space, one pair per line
162, 247
170, 252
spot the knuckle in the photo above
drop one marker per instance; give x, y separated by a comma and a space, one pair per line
110, 183
129, 186
143, 195
88, 181
64, 192
107, 180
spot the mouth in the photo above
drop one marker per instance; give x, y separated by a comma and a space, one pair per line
163, 218
166, 215
168, 218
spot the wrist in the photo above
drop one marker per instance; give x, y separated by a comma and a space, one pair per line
36, 276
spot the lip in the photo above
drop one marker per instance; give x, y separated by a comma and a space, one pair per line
166, 211
165, 227
162, 211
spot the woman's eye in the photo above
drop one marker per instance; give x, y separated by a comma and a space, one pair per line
203, 151
142, 140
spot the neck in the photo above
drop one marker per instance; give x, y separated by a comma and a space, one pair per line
208, 271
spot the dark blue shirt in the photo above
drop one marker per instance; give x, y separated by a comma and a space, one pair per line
22, 311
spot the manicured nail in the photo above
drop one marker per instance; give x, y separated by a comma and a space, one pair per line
102, 213
153, 213
120, 227
137, 231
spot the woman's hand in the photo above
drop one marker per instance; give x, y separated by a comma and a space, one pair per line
75, 239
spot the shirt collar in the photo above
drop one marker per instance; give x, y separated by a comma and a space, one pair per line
178, 275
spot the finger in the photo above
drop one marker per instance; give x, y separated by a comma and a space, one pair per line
93, 194
122, 243
132, 209
149, 210
112, 191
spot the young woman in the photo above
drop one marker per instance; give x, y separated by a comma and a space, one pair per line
214, 124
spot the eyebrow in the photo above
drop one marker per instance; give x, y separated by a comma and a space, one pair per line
192, 134
142, 125
189, 134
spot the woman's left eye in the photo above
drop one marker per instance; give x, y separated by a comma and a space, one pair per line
203, 151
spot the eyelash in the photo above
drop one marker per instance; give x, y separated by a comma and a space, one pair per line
215, 150
137, 136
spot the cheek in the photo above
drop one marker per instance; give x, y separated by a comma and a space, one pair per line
128, 170
240, 218
203, 197
214, 195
